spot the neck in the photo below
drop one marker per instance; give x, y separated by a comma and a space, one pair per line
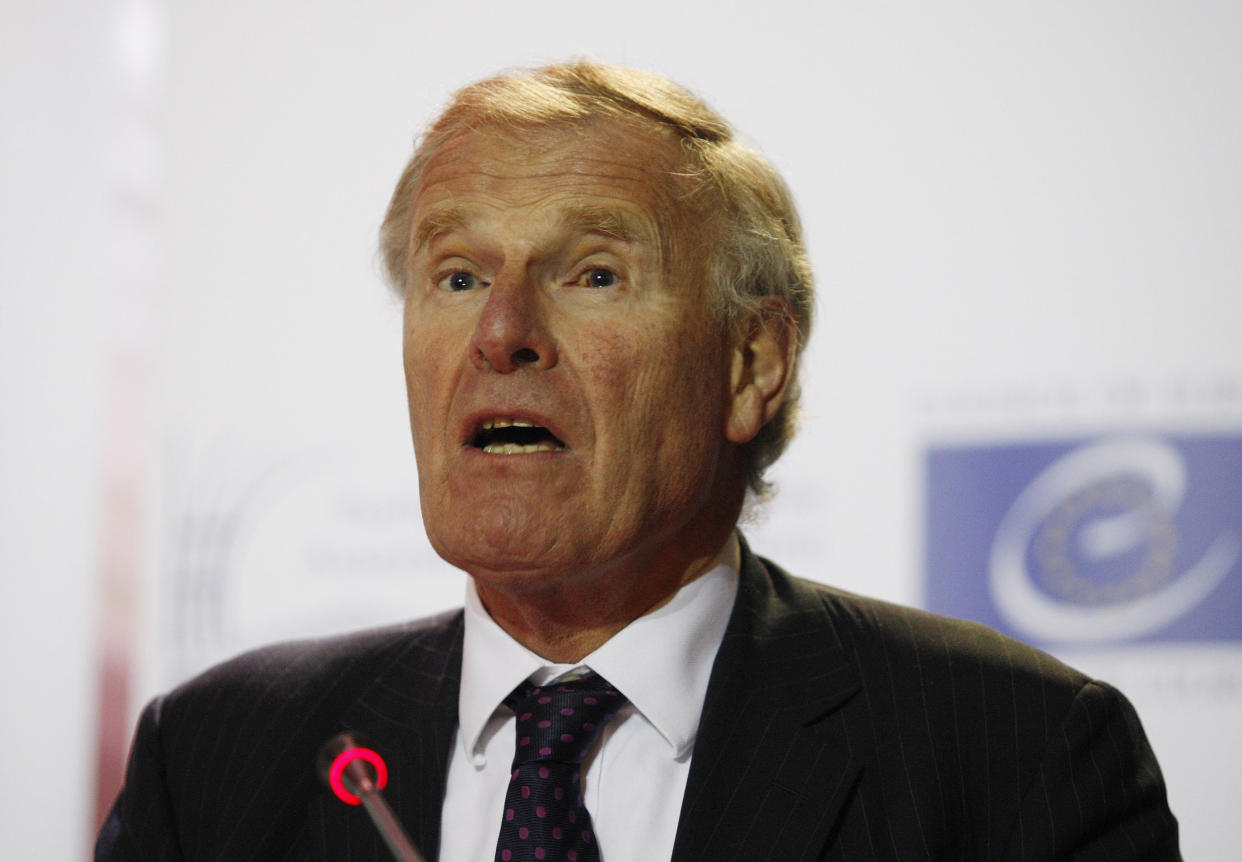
567, 621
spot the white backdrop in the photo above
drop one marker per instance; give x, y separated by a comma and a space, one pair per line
1026, 221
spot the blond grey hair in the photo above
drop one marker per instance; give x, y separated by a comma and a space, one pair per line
757, 262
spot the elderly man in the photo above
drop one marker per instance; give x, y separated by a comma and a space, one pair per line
605, 300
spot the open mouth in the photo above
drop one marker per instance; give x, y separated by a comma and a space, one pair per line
514, 437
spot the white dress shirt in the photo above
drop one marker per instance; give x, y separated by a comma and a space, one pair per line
635, 778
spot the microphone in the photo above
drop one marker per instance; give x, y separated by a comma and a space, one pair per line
357, 774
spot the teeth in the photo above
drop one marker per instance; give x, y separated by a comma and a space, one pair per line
492, 424
516, 448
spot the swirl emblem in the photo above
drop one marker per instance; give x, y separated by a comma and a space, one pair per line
1087, 550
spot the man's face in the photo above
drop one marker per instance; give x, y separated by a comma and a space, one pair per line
568, 385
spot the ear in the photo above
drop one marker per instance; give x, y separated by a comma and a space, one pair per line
761, 362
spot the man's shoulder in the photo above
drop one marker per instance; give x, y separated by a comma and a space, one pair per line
913, 647
334, 667
957, 738
256, 723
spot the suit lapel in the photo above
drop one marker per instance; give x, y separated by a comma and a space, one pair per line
771, 770
409, 715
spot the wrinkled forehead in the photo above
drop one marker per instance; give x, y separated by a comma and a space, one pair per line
607, 170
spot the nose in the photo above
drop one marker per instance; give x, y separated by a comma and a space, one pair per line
511, 331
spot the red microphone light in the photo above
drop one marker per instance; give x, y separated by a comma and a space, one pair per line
338, 764
342, 762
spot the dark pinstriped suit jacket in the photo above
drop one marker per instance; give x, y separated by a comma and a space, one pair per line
835, 727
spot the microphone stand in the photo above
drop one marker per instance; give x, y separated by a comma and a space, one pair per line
356, 775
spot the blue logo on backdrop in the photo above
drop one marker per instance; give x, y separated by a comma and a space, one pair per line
1089, 541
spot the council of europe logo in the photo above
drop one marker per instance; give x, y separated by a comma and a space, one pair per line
1101, 540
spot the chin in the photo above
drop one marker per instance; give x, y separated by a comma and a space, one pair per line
506, 542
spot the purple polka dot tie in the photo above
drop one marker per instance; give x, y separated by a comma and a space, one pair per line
545, 818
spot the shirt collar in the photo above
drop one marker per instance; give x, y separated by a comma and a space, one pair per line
679, 640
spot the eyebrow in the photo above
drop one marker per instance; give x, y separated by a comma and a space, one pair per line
585, 218
606, 221
437, 223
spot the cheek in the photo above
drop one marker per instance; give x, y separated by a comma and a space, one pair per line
658, 393
423, 358
626, 374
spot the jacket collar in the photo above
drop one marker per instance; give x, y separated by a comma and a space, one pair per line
771, 751
770, 754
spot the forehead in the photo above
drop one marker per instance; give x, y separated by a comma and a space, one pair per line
607, 172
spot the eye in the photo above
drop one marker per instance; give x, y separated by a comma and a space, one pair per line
597, 277
458, 281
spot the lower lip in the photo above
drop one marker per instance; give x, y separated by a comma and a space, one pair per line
474, 452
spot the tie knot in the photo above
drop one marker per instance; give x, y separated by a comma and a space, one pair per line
561, 722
